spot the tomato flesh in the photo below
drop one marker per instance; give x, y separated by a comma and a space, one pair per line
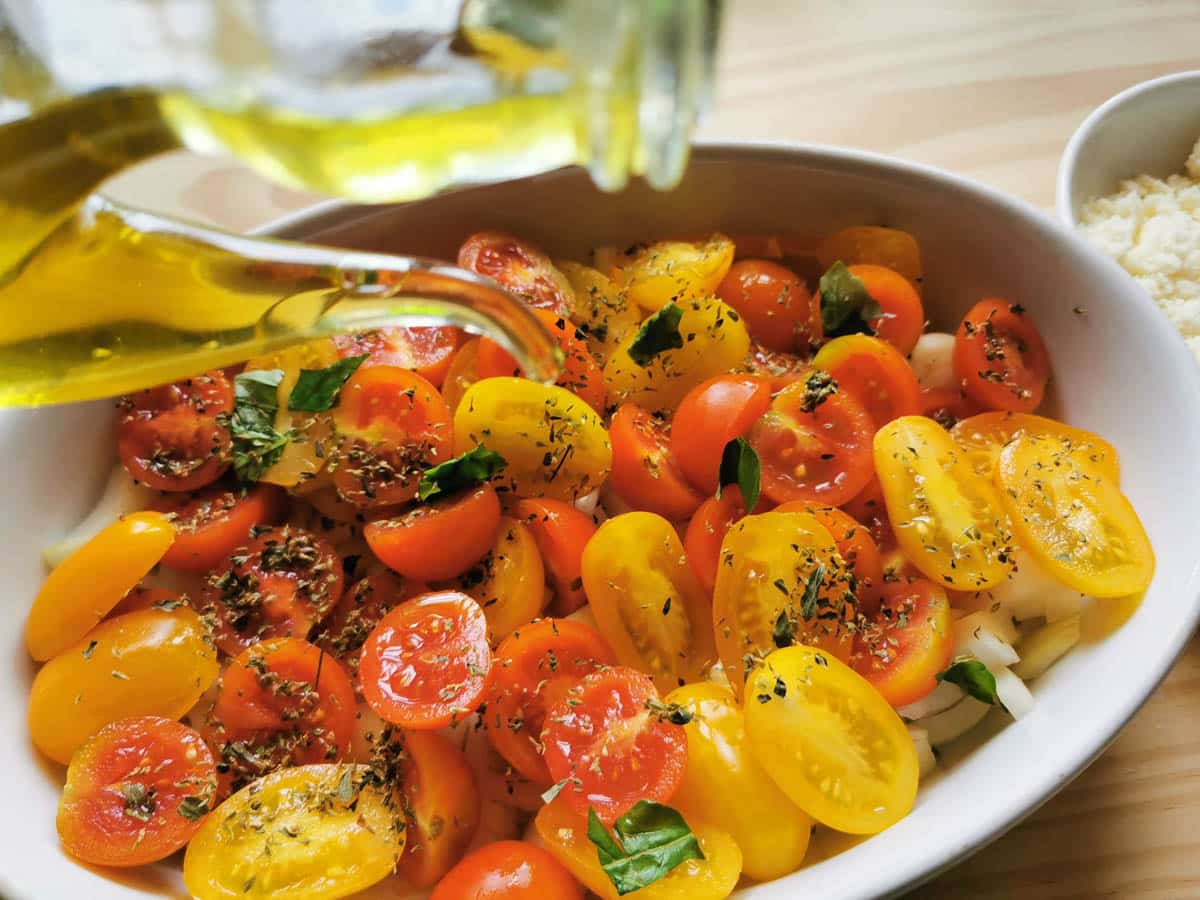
425, 350
709, 417
561, 532
1000, 358
508, 870
214, 523
644, 472
907, 643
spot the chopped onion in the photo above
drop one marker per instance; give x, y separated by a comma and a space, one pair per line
1063, 605
976, 635
932, 361
954, 722
1046, 646
1030, 591
587, 503
122, 495
942, 697
926, 761
1012, 693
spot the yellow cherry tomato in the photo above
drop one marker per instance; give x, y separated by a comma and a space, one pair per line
602, 310
510, 582
554, 444
984, 436
1073, 517
830, 741
715, 341
676, 270
780, 578
564, 832
724, 783
151, 662
91, 581
897, 250
947, 518
646, 600
317, 832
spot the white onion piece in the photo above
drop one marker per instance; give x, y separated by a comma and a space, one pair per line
1063, 605
122, 495
932, 361
942, 697
1012, 693
1044, 647
954, 722
1030, 591
926, 761
605, 259
587, 503
977, 639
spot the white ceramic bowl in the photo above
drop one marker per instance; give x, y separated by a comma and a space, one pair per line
1147, 129
1120, 370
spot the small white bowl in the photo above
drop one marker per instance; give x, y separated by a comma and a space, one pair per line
1148, 129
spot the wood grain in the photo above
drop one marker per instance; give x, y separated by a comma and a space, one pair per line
991, 90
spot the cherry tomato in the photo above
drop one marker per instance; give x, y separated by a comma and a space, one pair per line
983, 436
707, 529
857, 548
461, 374
678, 271
830, 740
709, 417
520, 267
534, 665
508, 870
580, 375
778, 309
780, 369
603, 312
280, 584
427, 350
897, 250
605, 740
644, 472
510, 582
393, 426
169, 437
1000, 358
868, 508
136, 792
813, 445
438, 540
143, 597
647, 602
426, 663
210, 525
903, 319
947, 406
561, 532
82, 589
907, 643
874, 373
363, 604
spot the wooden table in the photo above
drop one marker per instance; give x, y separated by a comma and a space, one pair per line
991, 89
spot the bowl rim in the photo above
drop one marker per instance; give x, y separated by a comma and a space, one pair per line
1065, 175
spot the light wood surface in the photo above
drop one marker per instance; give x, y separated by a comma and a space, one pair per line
991, 89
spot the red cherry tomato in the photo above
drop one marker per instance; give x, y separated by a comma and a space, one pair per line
519, 266
561, 532
780, 369
425, 350
778, 309
868, 508
706, 530
709, 417
363, 604
1000, 358
508, 870
438, 540
644, 474
143, 597
903, 319
169, 437
874, 373
856, 547
948, 406
212, 524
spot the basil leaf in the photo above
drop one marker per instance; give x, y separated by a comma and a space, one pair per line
193, 808
654, 839
782, 634
317, 390
658, 333
812, 592
740, 466
845, 303
471, 468
256, 443
973, 677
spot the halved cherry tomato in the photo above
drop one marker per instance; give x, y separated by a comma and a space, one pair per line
1000, 357
983, 436
610, 747
644, 472
143, 597
875, 373
561, 532
136, 792
603, 312
871, 244
580, 375
947, 406
903, 647
679, 271
647, 602
510, 582
777, 307
868, 508
813, 445
426, 663
520, 267
857, 548
709, 417
212, 524
438, 540
707, 529
461, 374
534, 666
427, 350
280, 584
508, 870
903, 318
363, 604
169, 438
780, 369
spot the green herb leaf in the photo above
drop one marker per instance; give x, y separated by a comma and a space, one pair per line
168, 605
782, 633
654, 839
812, 591
317, 390
973, 677
740, 466
554, 790
471, 468
658, 333
845, 304
256, 443
345, 787
140, 803
89, 649
193, 808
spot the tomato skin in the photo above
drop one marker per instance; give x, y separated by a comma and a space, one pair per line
510, 583
362, 605
520, 267
778, 309
907, 643
212, 524
707, 529
427, 350
709, 417
871, 244
461, 374
869, 509
857, 548
603, 737
947, 406
508, 870
1000, 358
150, 763
561, 532
602, 309
903, 319
985, 435
679, 271
874, 373
438, 540
142, 597
168, 437
644, 473
779, 369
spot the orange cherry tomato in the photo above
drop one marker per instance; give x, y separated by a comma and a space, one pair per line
169, 437
438, 540
363, 604
279, 585
778, 309
508, 870
868, 508
813, 446
856, 547
873, 244
644, 473
393, 426
709, 417
520, 267
780, 369
510, 582
907, 643
607, 745
874, 373
426, 663
461, 374
427, 350
561, 532
1000, 358
212, 524
903, 319
707, 529
947, 406
534, 666
136, 792
143, 597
